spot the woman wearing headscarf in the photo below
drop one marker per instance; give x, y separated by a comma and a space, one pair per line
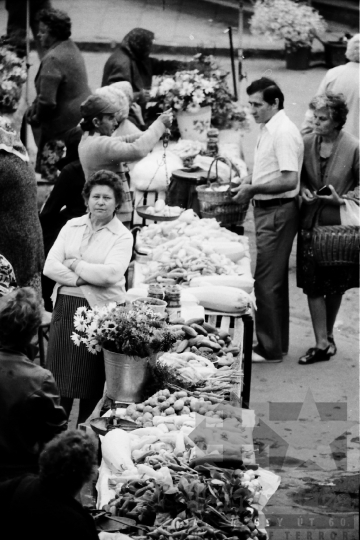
99, 150
61, 86
132, 62
21, 240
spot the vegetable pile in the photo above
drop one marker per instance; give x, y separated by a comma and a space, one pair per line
163, 210
190, 247
206, 503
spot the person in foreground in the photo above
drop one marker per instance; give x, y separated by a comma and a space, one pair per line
273, 186
30, 411
87, 261
331, 159
45, 503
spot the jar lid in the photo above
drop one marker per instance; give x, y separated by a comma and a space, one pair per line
212, 132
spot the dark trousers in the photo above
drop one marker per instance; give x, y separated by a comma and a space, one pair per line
276, 228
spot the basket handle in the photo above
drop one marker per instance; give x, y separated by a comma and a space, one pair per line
227, 162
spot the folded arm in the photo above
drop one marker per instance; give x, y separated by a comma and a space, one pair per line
54, 267
112, 270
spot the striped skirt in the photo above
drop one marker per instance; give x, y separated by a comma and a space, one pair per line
77, 372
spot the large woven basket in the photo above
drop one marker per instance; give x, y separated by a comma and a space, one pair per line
219, 204
336, 245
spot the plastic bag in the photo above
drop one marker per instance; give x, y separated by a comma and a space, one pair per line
350, 213
149, 174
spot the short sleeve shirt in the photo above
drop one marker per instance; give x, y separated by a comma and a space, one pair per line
279, 148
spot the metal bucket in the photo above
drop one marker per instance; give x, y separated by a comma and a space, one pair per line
126, 376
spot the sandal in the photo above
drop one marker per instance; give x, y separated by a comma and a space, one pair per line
314, 355
333, 347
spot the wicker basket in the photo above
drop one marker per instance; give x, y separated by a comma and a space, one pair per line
219, 204
336, 245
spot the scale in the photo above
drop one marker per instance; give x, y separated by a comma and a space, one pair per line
142, 210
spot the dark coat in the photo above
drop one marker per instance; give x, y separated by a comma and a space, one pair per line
30, 412
21, 240
122, 65
342, 170
30, 510
66, 193
61, 86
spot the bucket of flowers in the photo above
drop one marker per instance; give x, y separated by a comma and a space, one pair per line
294, 22
201, 98
12, 77
131, 338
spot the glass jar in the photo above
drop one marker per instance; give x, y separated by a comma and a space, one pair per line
172, 297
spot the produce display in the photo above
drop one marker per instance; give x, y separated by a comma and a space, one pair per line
197, 252
163, 210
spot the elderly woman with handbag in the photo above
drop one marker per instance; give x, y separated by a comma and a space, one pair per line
330, 177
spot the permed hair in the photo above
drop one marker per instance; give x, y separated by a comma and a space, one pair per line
67, 462
352, 49
58, 22
335, 104
105, 178
20, 317
270, 91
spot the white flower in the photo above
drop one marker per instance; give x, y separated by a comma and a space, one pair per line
79, 323
76, 339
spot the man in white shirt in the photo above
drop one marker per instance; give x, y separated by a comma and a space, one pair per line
273, 188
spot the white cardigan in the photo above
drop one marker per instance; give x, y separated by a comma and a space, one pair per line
104, 262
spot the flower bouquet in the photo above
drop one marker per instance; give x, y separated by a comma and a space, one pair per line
296, 23
130, 339
135, 331
205, 86
12, 77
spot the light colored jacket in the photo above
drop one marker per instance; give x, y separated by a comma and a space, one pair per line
104, 261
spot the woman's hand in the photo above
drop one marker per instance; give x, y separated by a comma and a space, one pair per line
166, 118
307, 196
334, 198
136, 109
81, 281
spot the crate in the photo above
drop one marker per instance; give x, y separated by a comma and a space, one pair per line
241, 328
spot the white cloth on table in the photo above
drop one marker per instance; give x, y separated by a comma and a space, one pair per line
279, 148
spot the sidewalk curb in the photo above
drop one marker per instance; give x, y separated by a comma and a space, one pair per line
184, 50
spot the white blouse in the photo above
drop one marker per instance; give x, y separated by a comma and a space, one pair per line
105, 256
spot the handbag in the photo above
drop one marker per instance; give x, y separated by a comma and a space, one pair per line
336, 245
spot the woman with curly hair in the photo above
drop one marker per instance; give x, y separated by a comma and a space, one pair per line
61, 86
47, 500
87, 261
30, 411
331, 159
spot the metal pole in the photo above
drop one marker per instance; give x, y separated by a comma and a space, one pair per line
232, 56
27, 84
240, 48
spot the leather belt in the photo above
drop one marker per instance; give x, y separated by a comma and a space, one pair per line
271, 202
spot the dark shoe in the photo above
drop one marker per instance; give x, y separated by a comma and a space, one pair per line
314, 355
333, 347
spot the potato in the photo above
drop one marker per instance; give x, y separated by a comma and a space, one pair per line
150, 210
148, 416
170, 411
140, 407
148, 409
159, 205
178, 405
